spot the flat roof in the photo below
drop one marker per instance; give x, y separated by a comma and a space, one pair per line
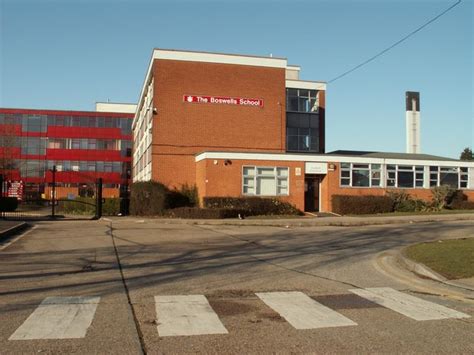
389, 155
32, 111
389, 158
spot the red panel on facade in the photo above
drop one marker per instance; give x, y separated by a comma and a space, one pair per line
20, 111
84, 154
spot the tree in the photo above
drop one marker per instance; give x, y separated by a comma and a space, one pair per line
466, 154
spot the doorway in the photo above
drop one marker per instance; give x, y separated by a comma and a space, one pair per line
311, 193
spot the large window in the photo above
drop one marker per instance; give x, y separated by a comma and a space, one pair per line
265, 181
452, 176
301, 100
34, 123
33, 146
303, 131
360, 175
405, 176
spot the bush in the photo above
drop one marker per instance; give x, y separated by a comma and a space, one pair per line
442, 196
252, 206
460, 202
343, 204
8, 204
403, 202
79, 205
147, 198
87, 206
151, 198
203, 213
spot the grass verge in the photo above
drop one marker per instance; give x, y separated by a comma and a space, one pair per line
454, 259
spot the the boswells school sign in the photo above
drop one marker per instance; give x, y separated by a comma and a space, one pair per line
223, 100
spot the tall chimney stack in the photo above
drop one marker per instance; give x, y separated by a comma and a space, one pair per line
413, 122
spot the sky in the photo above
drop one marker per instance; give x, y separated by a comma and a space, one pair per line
69, 54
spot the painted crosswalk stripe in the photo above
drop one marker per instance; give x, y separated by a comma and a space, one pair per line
302, 312
186, 315
58, 318
408, 305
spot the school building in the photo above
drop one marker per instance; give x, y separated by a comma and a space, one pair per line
236, 125
82, 145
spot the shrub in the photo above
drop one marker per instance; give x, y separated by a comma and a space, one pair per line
460, 202
343, 204
152, 198
252, 206
8, 204
442, 196
403, 202
203, 213
147, 198
111, 206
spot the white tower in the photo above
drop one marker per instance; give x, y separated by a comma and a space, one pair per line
413, 122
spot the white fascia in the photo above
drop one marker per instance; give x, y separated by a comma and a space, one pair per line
303, 84
221, 58
323, 158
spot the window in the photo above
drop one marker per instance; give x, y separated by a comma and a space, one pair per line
451, 176
75, 143
360, 175
302, 100
265, 181
405, 176
33, 146
302, 132
463, 178
34, 123
92, 143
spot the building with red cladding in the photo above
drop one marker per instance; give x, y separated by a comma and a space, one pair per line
235, 125
82, 145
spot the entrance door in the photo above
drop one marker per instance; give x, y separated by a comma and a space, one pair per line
311, 194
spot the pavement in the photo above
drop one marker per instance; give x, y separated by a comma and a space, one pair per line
126, 285
312, 221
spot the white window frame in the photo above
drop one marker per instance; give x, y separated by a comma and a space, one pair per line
276, 177
370, 169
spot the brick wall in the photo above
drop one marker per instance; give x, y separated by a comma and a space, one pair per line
181, 129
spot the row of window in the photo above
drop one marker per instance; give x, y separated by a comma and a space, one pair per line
401, 176
38, 145
40, 123
38, 168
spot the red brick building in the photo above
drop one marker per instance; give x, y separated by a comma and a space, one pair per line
236, 125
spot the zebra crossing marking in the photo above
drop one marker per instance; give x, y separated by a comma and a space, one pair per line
302, 312
186, 315
410, 306
58, 318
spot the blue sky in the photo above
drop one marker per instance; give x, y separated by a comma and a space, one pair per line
69, 54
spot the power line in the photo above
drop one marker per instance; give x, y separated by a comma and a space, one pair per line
395, 44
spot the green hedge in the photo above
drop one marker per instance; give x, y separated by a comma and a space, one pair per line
252, 206
203, 213
151, 198
343, 204
86, 206
8, 204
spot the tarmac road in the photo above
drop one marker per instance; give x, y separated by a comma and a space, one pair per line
113, 276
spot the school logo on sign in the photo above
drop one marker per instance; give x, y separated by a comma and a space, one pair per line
223, 100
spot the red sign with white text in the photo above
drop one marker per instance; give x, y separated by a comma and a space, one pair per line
223, 100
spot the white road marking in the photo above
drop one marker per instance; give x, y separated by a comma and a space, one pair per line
58, 318
186, 315
407, 305
302, 312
